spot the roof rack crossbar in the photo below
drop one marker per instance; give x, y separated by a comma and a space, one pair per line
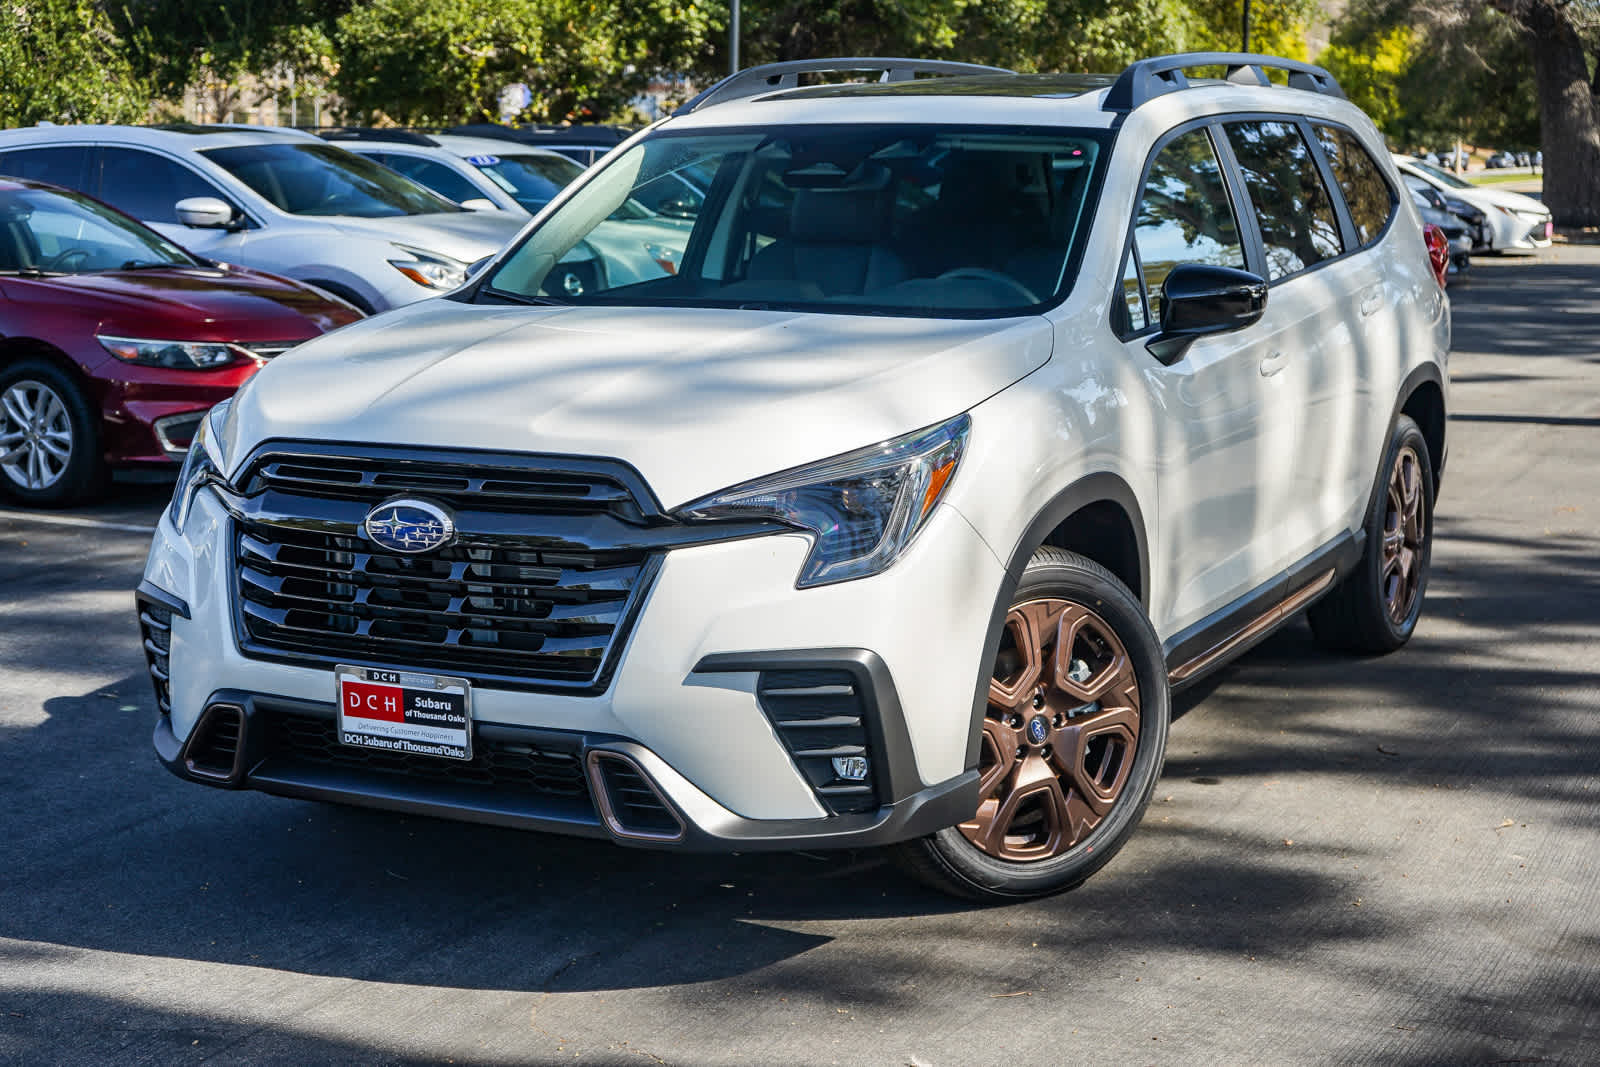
1150, 78
773, 77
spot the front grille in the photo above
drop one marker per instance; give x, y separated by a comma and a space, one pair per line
269, 349
819, 717
500, 767
155, 626
523, 597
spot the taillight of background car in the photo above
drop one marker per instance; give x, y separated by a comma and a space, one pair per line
1438, 251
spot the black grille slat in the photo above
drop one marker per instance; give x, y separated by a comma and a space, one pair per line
512, 600
350, 477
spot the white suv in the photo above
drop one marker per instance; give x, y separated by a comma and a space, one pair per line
273, 199
982, 410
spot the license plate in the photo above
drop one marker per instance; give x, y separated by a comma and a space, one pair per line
404, 712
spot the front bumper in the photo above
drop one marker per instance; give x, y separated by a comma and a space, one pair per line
689, 713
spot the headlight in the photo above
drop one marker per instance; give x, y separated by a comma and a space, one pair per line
665, 258
201, 466
179, 355
430, 269
862, 508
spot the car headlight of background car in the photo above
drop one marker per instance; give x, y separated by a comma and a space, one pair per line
202, 466
862, 508
178, 355
430, 269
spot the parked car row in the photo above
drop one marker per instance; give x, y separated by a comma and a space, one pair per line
1510, 222
147, 272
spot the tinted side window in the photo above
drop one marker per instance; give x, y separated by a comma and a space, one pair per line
59, 166
1298, 224
1184, 216
436, 176
146, 185
1366, 193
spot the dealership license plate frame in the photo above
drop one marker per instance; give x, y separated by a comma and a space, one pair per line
384, 735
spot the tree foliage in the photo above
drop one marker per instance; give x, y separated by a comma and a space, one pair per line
63, 61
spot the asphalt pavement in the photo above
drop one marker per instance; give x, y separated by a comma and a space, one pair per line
1390, 860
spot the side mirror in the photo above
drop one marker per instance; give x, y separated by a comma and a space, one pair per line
679, 209
480, 203
478, 265
1199, 300
205, 213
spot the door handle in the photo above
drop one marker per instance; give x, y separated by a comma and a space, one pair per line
1272, 364
1371, 300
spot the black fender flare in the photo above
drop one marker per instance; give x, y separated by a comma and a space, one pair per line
1091, 489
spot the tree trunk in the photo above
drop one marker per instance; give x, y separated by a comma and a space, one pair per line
1569, 116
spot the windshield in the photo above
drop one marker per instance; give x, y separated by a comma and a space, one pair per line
910, 220
1442, 175
319, 179
62, 233
532, 181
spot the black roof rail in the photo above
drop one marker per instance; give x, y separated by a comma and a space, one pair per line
775, 76
1150, 78
372, 133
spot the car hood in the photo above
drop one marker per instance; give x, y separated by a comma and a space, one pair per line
695, 399
192, 303
466, 236
1484, 195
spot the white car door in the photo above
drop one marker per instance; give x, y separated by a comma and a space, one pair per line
1221, 427
1313, 330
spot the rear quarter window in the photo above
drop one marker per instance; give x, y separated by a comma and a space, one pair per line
1367, 193
1299, 228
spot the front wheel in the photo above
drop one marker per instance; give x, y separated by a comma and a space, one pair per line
1073, 739
49, 444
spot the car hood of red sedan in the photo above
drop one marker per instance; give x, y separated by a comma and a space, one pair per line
193, 303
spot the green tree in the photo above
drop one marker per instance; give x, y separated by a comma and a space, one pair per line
1370, 67
62, 61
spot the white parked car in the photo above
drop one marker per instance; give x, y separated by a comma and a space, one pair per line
983, 410
1513, 222
633, 245
274, 200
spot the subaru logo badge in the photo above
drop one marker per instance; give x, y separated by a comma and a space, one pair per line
1038, 729
410, 526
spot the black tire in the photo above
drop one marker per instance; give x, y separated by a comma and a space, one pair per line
1362, 613
953, 860
83, 472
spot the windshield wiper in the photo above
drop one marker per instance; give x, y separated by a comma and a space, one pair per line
520, 298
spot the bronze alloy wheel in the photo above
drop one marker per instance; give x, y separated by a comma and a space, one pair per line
1060, 734
1404, 529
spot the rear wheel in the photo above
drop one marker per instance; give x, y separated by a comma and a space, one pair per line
1073, 739
1376, 608
49, 447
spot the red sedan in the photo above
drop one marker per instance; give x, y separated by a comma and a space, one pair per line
114, 341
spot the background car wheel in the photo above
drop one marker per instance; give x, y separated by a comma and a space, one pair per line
1376, 608
1073, 739
49, 440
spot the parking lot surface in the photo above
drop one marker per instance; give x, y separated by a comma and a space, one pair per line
1387, 860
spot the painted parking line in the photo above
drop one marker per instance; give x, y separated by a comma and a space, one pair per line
73, 520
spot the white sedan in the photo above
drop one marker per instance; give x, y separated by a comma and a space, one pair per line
1514, 222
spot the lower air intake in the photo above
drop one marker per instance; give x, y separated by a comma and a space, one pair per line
629, 802
213, 749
